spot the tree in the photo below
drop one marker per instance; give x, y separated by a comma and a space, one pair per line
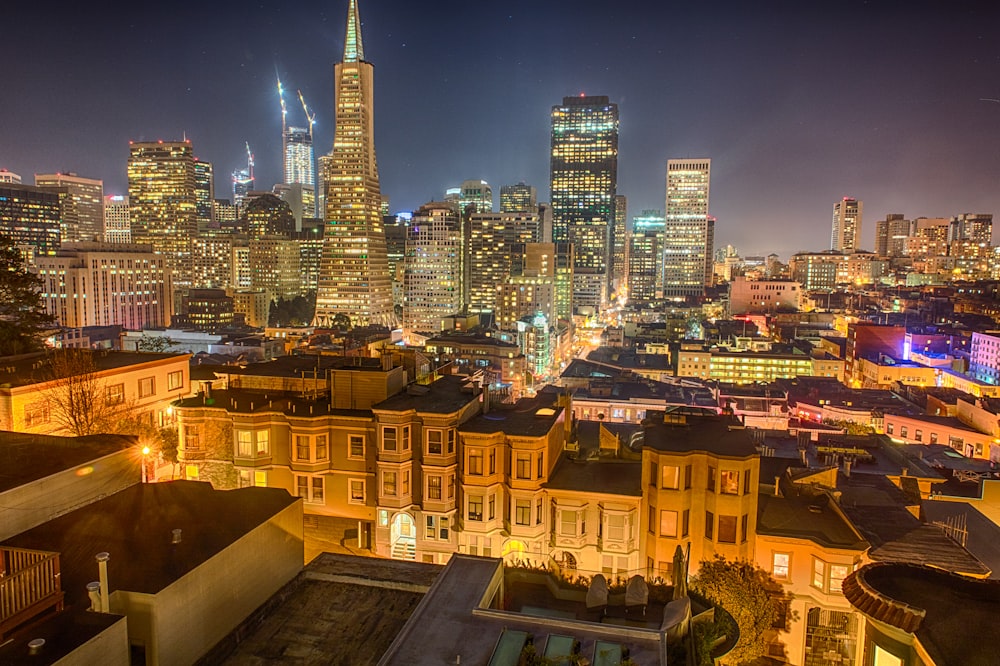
82, 402
23, 320
154, 343
746, 592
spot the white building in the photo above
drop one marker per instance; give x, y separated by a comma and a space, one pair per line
432, 273
846, 233
117, 227
688, 233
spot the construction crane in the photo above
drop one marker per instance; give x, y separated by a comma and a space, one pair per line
310, 117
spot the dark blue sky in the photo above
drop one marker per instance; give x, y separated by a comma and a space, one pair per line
797, 104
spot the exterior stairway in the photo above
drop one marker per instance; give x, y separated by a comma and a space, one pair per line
404, 549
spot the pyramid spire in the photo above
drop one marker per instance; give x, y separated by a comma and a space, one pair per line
354, 50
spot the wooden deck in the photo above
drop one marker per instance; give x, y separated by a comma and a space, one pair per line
29, 586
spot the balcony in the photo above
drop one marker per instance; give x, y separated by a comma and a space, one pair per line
29, 586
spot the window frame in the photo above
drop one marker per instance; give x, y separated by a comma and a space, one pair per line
151, 387
351, 497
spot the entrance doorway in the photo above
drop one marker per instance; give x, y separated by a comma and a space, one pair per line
403, 535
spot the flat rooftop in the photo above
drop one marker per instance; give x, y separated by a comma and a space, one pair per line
342, 609
718, 435
445, 395
526, 418
246, 401
608, 476
136, 527
303, 366
63, 632
25, 458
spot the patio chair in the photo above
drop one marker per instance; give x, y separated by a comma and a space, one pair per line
636, 594
597, 594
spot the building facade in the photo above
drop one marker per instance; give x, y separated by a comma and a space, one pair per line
87, 196
583, 184
31, 217
846, 233
688, 231
432, 272
354, 274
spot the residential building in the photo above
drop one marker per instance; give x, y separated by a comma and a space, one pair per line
163, 203
825, 270
501, 363
117, 224
31, 217
87, 196
583, 182
212, 259
688, 231
33, 400
354, 274
432, 278
106, 284
846, 232
254, 305
891, 234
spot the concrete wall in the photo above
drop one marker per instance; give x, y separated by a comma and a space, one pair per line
34, 503
182, 622
109, 648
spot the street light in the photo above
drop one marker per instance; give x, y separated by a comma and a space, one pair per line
145, 473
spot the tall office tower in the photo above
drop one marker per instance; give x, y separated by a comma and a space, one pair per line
9, 177
354, 276
310, 241
432, 276
688, 232
618, 269
475, 193
644, 282
87, 196
891, 234
651, 221
518, 198
972, 227
204, 194
846, 235
242, 184
583, 179
242, 273
491, 237
117, 225
106, 284
31, 216
301, 200
163, 203
299, 160
395, 248
384, 207
323, 165
275, 266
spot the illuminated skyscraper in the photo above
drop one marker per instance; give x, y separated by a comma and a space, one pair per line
31, 216
491, 240
299, 162
618, 268
518, 198
846, 234
688, 231
204, 192
354, 274
432, 273
117, 227
583, 180
87, 202
163, 202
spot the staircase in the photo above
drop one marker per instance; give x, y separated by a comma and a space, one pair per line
404, 549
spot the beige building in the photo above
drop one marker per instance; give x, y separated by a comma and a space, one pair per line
87, 201
32, 401
106, 284
743, 367
764, 296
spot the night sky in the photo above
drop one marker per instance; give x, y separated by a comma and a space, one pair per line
797, 104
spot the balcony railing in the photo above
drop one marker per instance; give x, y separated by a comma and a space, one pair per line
29, 585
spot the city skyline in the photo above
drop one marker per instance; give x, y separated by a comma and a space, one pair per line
913, 136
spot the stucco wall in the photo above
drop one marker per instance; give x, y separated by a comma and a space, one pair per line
109, 648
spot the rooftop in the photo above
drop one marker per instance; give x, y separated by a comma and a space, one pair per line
603, 475
36, 368
245, 401
946, 612
303, 366
136, 527
806, 513
25, 458
526, 418
474, 338
445, 395
717, 435
62, 632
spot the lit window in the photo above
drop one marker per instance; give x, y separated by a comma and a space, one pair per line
475, 507
175, 380
475, 466
729, 482
357, 491
146, 387
434, 487
522, 512
356, 446
389, 484
669, 477
668, 523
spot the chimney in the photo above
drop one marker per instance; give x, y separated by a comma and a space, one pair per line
94, 592
847, 468
35, 645
175, 536
777, 486
102, 568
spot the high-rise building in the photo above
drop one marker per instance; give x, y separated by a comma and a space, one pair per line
644, 281
204, 193
225, 213
87, 197
518, 198
268, 215
9, 177
106, 284
475, 193
299, 160
301, 200
891, 234
846, 234
688, 231
432, 275
583, 182
275, 266
163, 202
491, 238
618, 268
354, 275
972, 227
117, 227
212, 256
31, 216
